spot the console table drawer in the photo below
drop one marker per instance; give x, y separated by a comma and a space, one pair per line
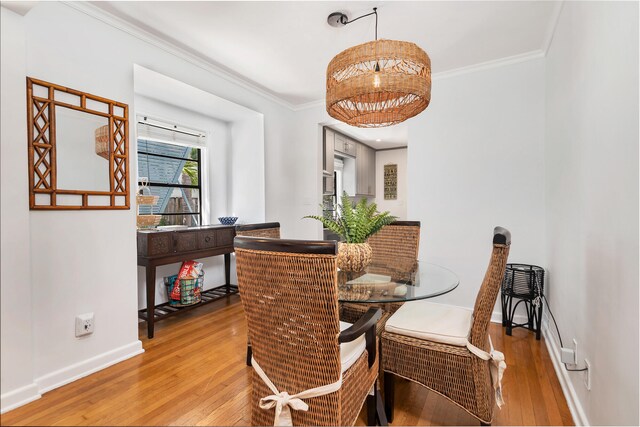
224, 237
165, 243
155, 244
207, 239
185, 241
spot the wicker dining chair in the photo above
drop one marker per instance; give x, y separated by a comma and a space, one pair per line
448, 349
263, 229
289, 293
395, 245
266, 229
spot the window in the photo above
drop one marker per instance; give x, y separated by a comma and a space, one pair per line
174, 174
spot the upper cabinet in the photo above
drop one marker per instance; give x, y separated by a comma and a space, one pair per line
345, 145
365, 171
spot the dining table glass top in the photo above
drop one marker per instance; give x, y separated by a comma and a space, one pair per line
385, 283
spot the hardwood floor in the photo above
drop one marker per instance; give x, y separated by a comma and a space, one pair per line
193, 373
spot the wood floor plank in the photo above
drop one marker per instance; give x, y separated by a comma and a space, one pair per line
552, 409
193, 373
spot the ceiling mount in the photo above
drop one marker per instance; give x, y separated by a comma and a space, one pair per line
337, 19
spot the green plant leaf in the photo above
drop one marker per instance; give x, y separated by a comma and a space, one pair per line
330, 224
356, 223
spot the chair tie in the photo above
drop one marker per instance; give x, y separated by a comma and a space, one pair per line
283, 401
496, 368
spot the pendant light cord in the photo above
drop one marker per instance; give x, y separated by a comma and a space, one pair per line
375, 12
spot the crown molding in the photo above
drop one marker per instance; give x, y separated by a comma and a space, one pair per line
171, 48
310, 104
553, 24
509, 60
527, 56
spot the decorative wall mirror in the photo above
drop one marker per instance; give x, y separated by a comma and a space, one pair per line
78, 149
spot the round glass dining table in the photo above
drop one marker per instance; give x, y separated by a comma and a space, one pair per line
387, 284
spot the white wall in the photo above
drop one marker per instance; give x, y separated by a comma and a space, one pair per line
397, 207
302, 164
65, 281
591, 154
16, 377
475, 160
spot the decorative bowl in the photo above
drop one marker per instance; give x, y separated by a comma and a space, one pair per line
227, 220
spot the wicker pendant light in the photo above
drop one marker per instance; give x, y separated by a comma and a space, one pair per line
379, 83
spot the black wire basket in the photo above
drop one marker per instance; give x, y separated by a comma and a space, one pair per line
525, 283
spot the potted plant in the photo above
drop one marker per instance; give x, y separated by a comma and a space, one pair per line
355, 224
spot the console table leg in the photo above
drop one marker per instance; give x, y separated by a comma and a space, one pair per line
151, 298
227, 271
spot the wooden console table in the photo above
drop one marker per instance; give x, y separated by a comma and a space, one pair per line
160, 247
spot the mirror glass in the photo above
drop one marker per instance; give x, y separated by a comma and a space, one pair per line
78, 165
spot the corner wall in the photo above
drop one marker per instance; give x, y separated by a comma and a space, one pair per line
16, 378
476, 160
591, 174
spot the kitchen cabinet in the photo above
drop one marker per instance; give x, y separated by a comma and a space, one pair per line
345, 145
359, 165
327, 153
365, 171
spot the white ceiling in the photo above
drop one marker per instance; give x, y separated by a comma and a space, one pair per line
284, 47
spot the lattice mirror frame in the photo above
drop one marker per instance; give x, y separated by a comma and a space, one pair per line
42, 98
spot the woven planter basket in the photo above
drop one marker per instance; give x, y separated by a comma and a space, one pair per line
379, 83
354, 256
102, 141
146, 200
145, 221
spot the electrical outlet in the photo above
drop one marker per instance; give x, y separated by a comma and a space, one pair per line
587, 374
570, 355
567, 355
84, 324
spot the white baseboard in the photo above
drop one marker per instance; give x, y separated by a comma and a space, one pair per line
19, 397
13, 399
87, 367
575, 407
496, 317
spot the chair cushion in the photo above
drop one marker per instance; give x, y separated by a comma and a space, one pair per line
430, 321
350, 351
